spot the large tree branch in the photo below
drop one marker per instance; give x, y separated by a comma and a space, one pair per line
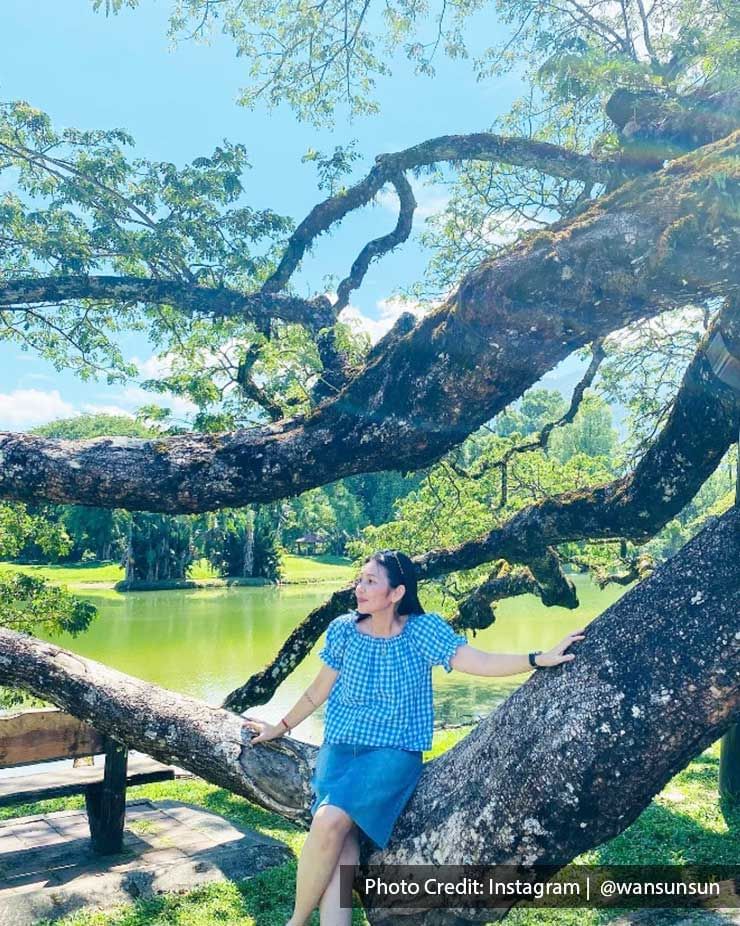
511, 319
655, 681
217, 302
483, 146
168, 726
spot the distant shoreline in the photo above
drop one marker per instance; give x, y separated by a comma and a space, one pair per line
78, 582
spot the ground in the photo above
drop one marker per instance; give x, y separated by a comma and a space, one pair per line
682, 824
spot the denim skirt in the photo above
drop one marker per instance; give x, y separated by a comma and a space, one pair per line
372, 784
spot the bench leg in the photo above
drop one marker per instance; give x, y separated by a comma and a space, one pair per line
106, 801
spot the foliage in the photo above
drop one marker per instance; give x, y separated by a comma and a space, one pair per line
81, 205
21, 530
32, 605
534, 410
160, 547
266, 548
591, 433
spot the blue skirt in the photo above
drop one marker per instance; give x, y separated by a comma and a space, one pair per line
372, 784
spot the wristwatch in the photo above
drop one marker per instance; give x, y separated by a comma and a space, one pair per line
532, 659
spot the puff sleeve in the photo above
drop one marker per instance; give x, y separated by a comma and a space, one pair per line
336, 637
437, 641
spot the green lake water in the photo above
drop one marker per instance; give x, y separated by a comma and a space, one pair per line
206, 642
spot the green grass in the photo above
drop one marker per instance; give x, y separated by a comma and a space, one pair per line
69, 574
296, 569
322, 568
682, 824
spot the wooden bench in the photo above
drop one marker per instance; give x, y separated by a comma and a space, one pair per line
47, 734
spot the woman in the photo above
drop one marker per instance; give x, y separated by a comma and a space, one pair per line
379, 720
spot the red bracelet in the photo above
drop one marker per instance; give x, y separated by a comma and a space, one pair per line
284, 723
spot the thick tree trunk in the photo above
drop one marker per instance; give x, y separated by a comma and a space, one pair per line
567, 762
576, 753
510, 321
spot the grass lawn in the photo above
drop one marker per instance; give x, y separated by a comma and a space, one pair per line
682, 824
296, 569
322, 568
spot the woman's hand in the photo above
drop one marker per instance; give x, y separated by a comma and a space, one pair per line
556, 655
265, 731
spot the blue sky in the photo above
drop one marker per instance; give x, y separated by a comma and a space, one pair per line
92, 71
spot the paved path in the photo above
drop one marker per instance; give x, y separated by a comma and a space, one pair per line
48, 869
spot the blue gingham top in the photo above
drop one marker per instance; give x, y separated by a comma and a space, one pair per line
383, 696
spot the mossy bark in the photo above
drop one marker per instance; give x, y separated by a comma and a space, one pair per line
567, 762
657, 242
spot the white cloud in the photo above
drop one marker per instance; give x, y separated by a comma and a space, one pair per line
131, 397
26, 408
154, 366
431, 198
23, 409
389, 310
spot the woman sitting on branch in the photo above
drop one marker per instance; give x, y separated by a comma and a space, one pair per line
379, 720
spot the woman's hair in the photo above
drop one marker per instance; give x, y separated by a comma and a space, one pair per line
401, 571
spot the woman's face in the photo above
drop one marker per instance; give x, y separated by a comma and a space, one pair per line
373, 591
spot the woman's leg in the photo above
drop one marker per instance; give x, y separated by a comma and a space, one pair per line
318, 859
330, 913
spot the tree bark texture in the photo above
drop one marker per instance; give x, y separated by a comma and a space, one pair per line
575, 754
511, 320
567, 762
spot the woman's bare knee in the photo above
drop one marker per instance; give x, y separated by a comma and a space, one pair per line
332, 824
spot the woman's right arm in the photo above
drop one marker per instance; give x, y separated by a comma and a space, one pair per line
316, 693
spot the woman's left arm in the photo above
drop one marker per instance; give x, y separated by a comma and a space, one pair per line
474, 661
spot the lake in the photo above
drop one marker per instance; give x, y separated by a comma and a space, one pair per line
206, 642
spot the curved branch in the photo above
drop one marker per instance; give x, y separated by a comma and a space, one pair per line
511, 320
483, 146
380, 246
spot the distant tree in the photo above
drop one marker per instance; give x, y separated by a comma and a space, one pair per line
266, 543
535, 409
591, 432
160, 547
226, 537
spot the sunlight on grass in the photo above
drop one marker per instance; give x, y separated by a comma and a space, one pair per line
682, 824
297, 569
